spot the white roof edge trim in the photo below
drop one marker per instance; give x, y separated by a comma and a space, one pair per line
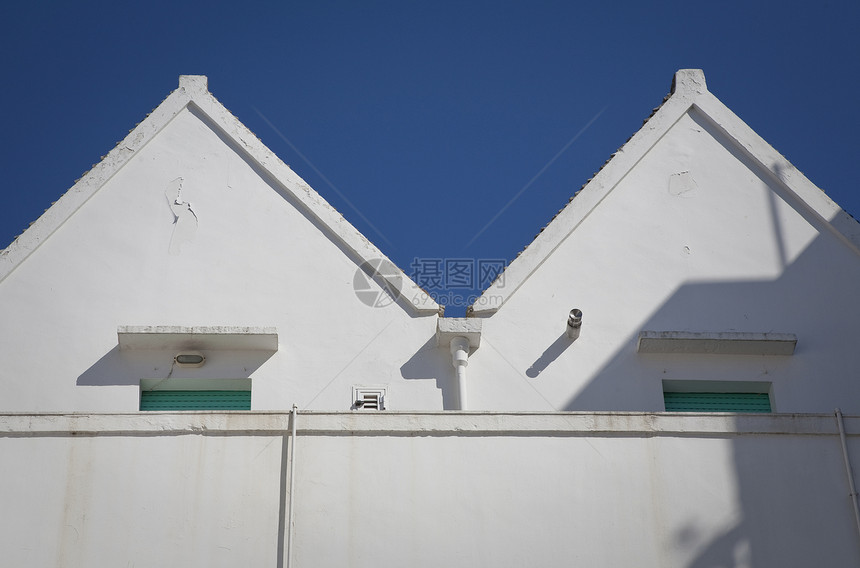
194, 89
689, 93
315, 205
688, 83
783, 172
89, 183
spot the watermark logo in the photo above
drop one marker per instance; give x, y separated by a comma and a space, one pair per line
456, 273
455, 282
377, 283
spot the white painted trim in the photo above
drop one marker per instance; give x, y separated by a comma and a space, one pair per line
690, 94
193, 93
575, 212
620, 424
781, 171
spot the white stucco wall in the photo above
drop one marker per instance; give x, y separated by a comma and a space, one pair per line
240, 254
193, 230
427, 490
694, 238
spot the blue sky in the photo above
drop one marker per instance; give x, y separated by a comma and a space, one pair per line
421, 121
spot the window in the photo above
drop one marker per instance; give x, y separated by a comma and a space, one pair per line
717, 396
717, 401
195, 400
195, 394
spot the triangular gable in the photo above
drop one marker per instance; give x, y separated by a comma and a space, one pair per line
193, 92
689, 93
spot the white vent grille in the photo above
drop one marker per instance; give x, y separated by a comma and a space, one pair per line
368, 398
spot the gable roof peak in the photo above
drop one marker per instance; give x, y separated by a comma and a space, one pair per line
194, 84
194, 90
689, 93
689, 82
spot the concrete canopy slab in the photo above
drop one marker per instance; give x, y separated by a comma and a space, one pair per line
198, 337
720, 343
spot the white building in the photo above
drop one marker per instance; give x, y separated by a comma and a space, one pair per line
192, 269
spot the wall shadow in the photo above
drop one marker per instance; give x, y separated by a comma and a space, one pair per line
429, 363
799, 301
128, 366
551, 353
791, 493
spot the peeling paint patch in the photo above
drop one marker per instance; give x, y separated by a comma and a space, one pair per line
682, 183
184, 218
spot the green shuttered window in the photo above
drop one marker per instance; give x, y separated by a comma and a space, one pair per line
717, 402
195, 400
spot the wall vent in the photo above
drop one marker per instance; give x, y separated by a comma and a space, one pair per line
369, 398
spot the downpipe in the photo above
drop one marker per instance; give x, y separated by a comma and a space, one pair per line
460, 360
294, 414
851, 488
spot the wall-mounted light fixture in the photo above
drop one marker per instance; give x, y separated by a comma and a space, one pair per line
189, 359
574, 323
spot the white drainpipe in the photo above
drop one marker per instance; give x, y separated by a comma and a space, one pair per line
461, 335
295, 414
460, 360
851, 489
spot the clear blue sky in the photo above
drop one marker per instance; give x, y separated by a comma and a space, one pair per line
429, 117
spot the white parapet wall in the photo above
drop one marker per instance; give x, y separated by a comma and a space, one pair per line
426, 489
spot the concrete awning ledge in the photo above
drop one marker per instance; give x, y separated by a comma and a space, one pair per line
177, 337
720, 343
